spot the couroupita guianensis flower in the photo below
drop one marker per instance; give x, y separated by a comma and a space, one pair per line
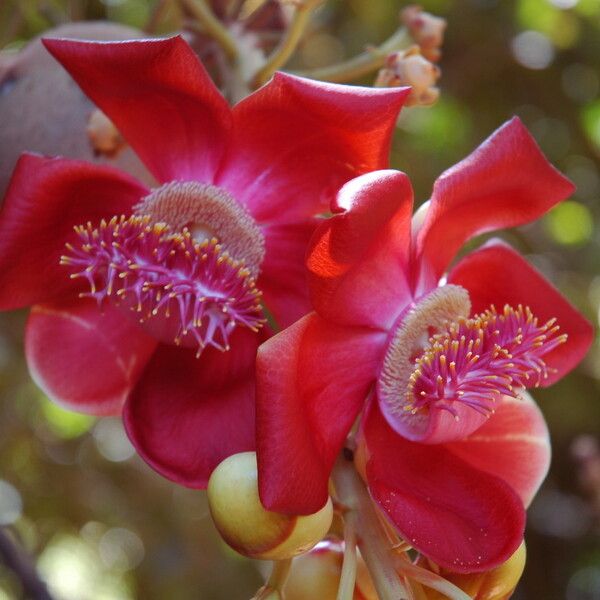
150, 301
452, 446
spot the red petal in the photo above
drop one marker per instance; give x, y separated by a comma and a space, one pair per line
160, 98
84, 359
296, 141
513, 445
507, 181
497, 274
46, 198
312, 380
283, 273
461, 517
187, 414
358, 259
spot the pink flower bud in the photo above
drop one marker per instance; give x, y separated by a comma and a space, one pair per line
410, 67
103, 135
426, 29
247, 526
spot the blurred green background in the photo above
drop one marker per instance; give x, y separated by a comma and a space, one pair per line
103, 526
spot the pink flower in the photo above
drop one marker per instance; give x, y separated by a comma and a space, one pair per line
189, 262
452, 445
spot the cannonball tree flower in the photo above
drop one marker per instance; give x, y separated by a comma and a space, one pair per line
439, 356
153, 301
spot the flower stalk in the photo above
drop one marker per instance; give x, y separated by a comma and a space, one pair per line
202, 12
289, 42
362, 64
370, 535
349, 564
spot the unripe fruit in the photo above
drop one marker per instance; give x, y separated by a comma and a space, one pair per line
247, 526
497, 584
317, 575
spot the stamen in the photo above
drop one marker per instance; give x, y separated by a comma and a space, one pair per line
207, 211
194, 292
491, 355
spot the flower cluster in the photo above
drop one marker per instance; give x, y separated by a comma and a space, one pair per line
390, 370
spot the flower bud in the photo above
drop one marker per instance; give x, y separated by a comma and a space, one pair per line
317, 575
497, 584
426, 30
247, 526
104, 137
411, 68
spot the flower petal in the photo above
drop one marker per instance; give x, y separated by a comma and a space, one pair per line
46, 198
462, 518
187, 414
85, 359
505, 182
283, 273
513, 444
160, 98
497, 274
312, 380
296, 141
358, 259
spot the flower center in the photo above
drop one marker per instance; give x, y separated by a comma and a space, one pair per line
439, 361
207, 212
183, 290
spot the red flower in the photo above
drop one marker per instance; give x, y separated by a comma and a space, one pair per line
239, 192
452, 479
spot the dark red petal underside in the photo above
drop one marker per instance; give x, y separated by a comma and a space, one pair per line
461, 517
187, 414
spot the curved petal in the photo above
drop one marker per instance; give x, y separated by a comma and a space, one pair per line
497, 274
186, 415
296, 141
46, 198
513, 444
462, 518
312, 381
283, 277
507, 181
85, 359
358, 259
160, 98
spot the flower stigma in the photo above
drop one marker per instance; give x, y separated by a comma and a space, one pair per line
184, 263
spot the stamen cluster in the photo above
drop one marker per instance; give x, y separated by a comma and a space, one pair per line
479, 359
158, 272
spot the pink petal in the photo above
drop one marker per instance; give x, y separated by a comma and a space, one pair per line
84, 359
46, 198
160, 98
358, 259
505, 182
187, 414
296, 141
497, 274
283, 272
461, 517
513, 444
312, 381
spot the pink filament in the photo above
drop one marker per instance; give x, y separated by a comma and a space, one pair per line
477, 360
160, 273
